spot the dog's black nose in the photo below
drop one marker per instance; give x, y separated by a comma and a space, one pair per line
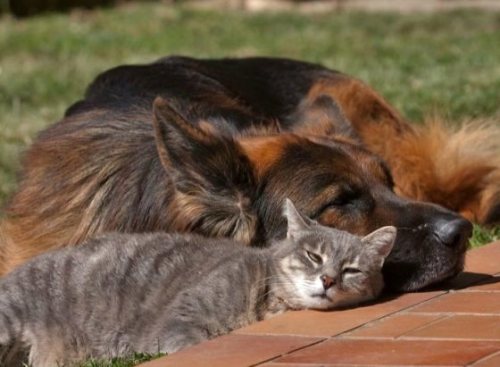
453, 233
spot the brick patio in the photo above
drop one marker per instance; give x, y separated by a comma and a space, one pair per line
459, 326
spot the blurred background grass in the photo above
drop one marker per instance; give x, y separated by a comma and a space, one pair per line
446, 62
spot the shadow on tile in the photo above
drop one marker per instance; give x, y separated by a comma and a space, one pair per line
462, 280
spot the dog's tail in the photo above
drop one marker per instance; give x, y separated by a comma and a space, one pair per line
457, 166
3, 250
6, 248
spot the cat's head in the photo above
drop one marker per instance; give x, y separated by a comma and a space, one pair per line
320, 267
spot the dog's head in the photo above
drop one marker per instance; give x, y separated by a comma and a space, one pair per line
230, 187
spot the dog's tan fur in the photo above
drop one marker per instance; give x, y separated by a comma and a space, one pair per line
454, 166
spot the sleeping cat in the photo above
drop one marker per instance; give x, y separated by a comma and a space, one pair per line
120, 293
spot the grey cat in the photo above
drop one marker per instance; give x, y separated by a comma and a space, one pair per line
120, 293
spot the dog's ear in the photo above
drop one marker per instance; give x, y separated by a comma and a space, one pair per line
176, 138
323, 117
213, 179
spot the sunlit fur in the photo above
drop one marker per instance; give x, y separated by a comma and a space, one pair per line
454, 166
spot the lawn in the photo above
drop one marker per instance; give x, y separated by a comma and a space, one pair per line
422, 63
121, 362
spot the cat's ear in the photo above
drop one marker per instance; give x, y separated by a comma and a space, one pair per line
296, 222
379, 243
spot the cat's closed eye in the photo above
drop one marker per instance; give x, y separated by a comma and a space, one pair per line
315, 258
351, 270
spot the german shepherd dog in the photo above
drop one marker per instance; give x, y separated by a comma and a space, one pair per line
215, 147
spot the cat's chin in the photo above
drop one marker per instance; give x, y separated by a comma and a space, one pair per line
324, 302
311, 302
320, 301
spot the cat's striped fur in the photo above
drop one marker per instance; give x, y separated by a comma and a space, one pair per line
158, 292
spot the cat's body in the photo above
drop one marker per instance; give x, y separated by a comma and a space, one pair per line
120, 293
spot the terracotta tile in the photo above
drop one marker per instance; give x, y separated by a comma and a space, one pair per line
277, 364
309, 323
490, 361
393, 352
316, 323
463, 302
461, 327
233, 351
484, 259
491, 284
394, 326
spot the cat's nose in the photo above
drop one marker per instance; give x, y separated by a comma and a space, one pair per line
327, 281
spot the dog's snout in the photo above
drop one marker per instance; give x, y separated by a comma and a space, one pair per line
453, 233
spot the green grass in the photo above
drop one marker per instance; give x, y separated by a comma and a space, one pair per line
481, 236
121, 362
422, 63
